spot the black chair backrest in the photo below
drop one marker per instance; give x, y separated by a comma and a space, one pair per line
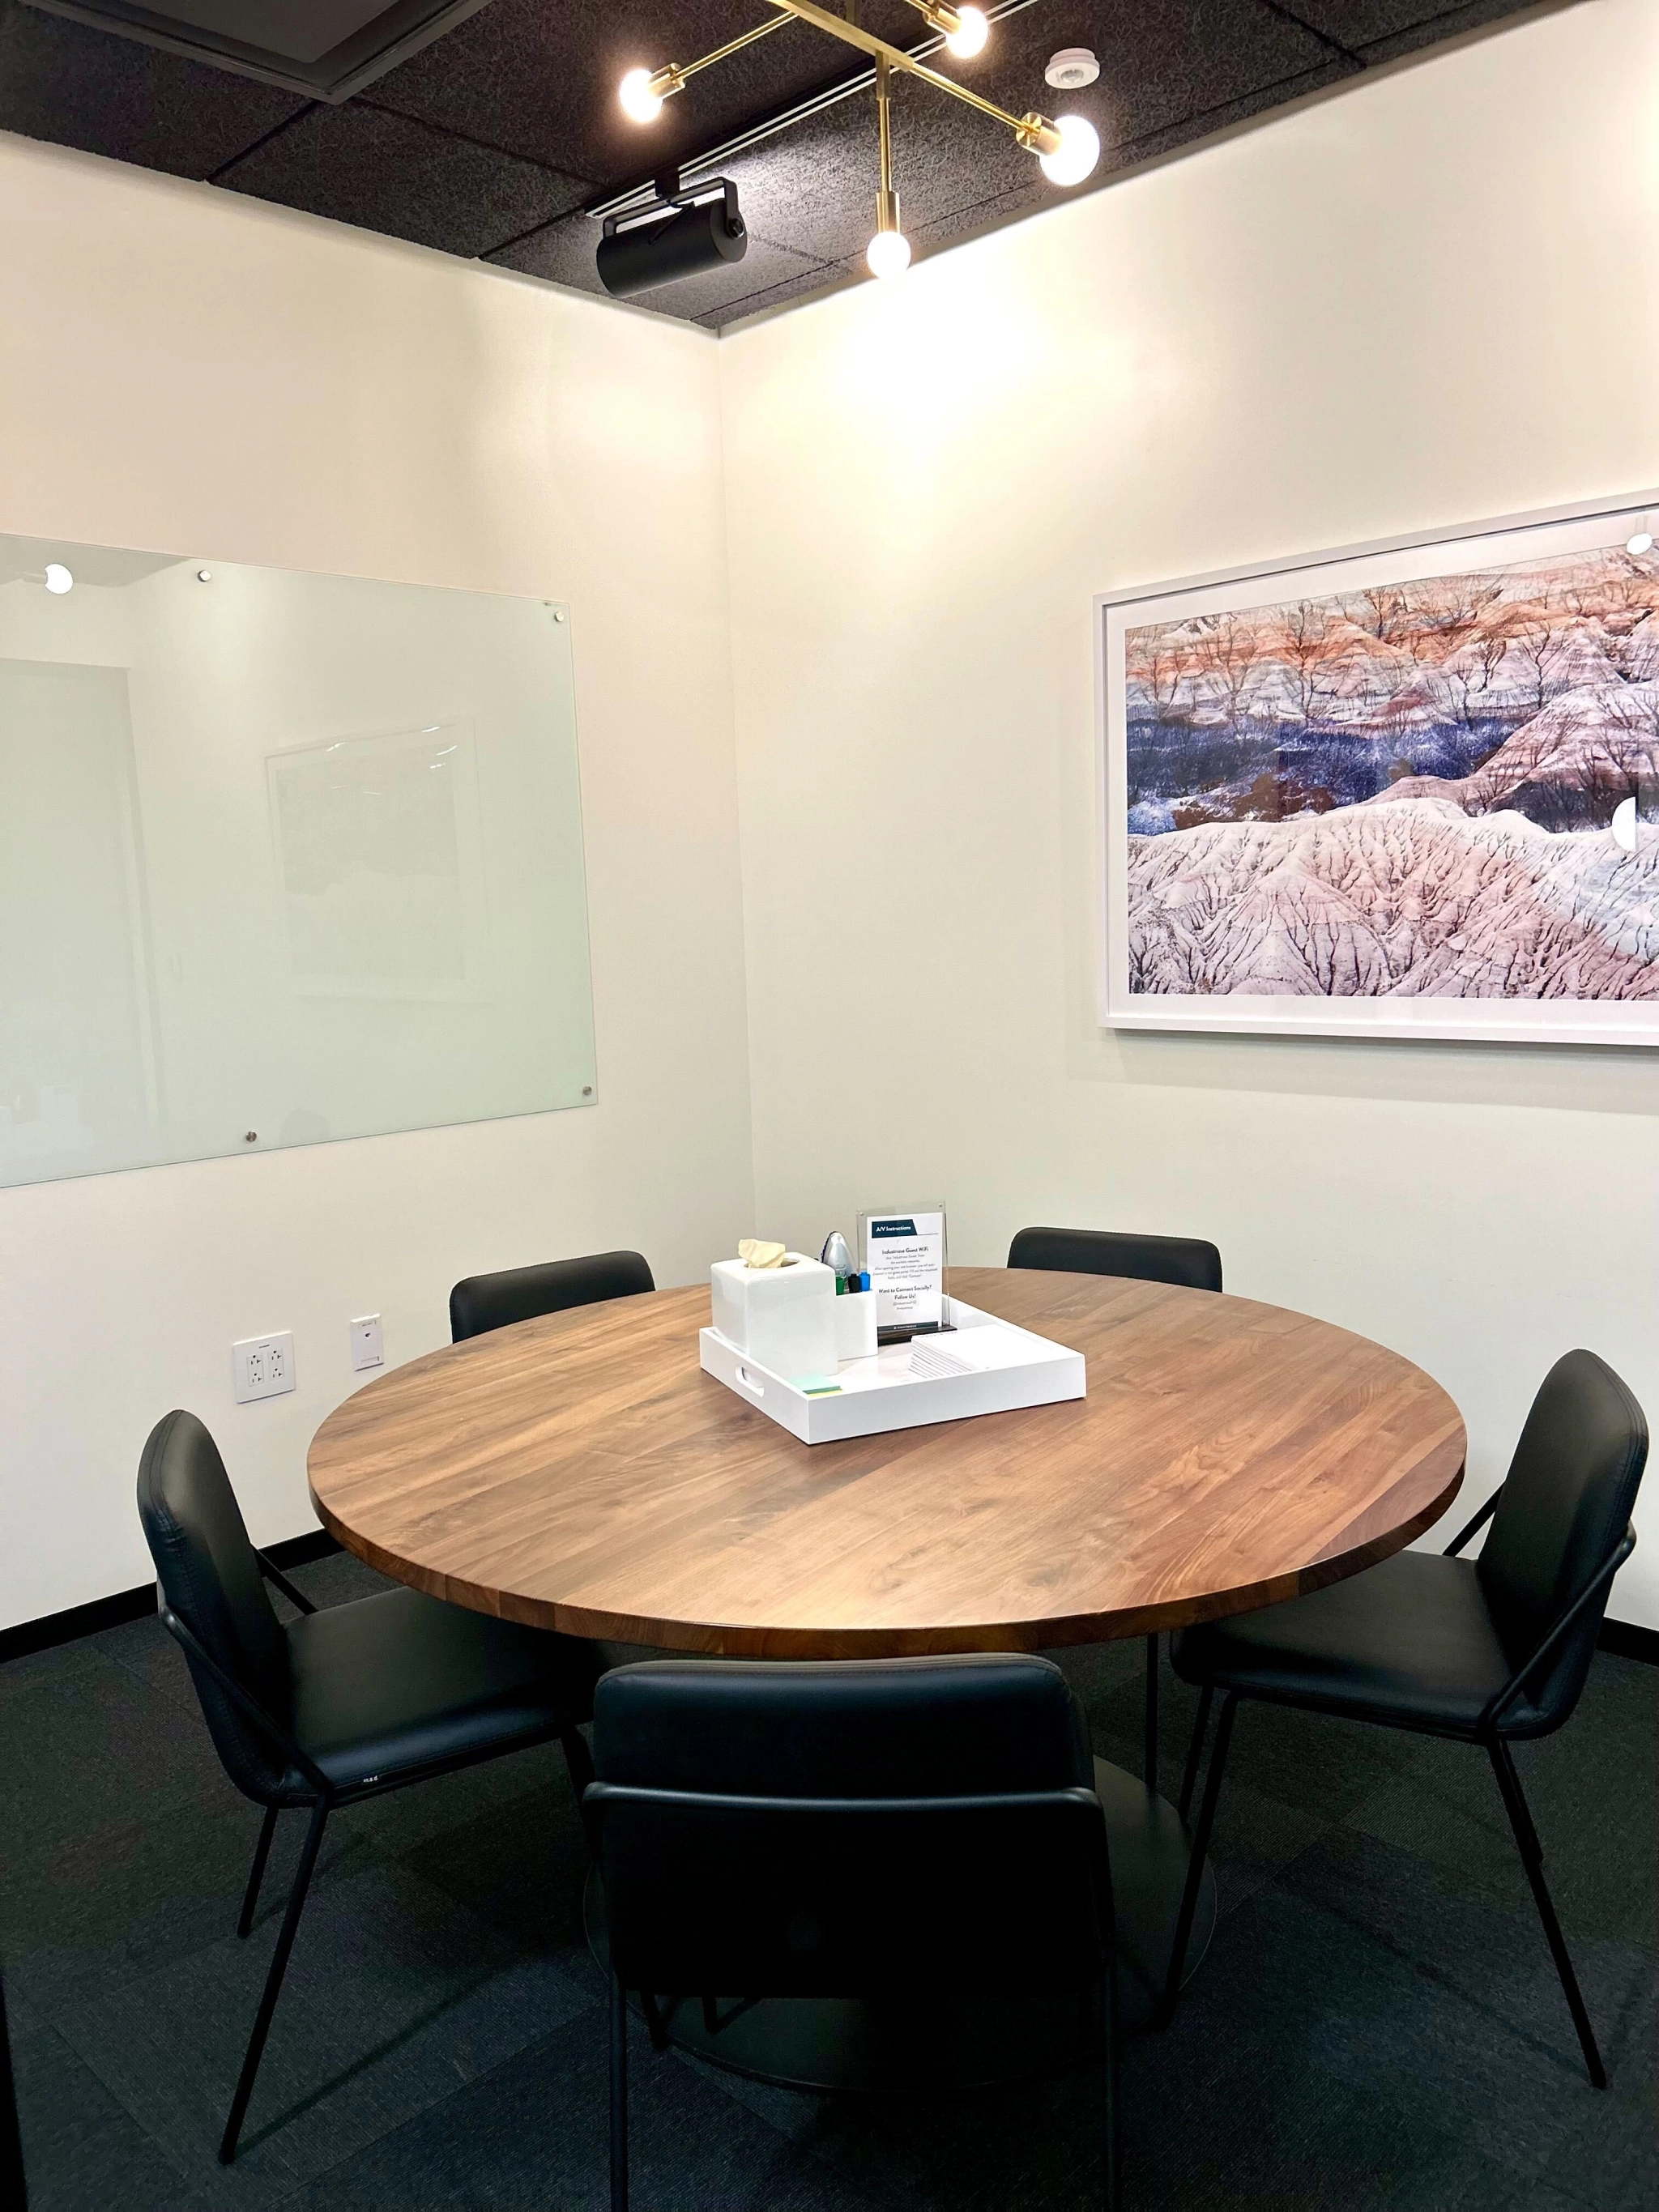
485, 1302
209, 1576
1565, 1506
1188, 1261
767, 1828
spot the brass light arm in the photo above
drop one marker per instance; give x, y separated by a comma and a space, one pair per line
671, 77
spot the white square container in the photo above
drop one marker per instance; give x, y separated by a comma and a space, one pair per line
1011, 1368
783, 1317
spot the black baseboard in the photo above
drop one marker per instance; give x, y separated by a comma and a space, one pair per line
1628, 1641
133, 1604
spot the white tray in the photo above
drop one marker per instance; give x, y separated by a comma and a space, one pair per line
1016, 1368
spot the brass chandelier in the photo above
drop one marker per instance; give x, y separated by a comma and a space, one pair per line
1066, 151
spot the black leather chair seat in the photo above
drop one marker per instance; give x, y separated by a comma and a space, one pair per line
401, 1680
1411, 1637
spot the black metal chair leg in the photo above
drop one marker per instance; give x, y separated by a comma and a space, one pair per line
1149, 1757
256, 1872
653, 2021
1195, 1749
1195, 1864
619, 2096
296, 1899
578, 1761
1109, 2196
1532, 1858
1517, 1802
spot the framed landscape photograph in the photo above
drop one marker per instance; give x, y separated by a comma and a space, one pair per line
1408, 790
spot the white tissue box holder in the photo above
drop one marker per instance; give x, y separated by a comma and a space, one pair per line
1013, 1369
783, 1317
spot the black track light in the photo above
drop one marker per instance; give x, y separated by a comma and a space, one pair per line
677, 234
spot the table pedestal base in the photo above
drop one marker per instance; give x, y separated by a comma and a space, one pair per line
910, 2047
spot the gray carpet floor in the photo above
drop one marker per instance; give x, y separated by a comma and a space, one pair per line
1377, 2022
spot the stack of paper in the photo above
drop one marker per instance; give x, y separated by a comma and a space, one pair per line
932, 1360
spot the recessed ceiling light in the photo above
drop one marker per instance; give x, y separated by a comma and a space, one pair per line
204, 575
59, 578
1071, 68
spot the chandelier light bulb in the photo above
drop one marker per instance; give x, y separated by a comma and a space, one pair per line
968, 38
1642, 543
888, 253
638, 101
1079, 149
59, 578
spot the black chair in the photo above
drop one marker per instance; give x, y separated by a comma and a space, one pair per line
341, 1704
1486, 1651
863, 1829
485, 1302
1189, 1263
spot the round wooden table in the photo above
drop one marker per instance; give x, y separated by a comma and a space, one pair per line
581, 1472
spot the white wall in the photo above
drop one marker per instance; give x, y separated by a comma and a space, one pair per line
186, 370
1431, 300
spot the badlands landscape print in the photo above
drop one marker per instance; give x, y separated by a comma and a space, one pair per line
1401, 791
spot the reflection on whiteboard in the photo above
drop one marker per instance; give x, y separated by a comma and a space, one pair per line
380, 855
77, 1044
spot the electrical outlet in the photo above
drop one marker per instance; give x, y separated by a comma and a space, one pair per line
367, 1347
262, 1366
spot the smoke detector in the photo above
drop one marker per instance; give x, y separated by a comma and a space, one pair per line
1071, 68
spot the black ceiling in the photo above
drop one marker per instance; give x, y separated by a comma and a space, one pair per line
491, 141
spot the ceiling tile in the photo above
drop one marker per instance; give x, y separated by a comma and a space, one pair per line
561, 252
1363, 26
831, 277
75, 87
384, 173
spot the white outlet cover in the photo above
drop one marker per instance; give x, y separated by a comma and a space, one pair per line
262, 1366
368, 1344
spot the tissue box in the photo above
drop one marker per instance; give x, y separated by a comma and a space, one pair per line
783, 1317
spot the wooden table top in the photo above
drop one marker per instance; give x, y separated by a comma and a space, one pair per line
579, 1471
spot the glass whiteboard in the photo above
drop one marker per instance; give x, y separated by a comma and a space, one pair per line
283, 858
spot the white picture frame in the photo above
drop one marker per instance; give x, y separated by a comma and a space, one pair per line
1213, 934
